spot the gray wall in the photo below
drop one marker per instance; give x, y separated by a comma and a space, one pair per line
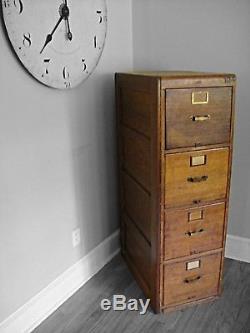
57, 166
204, 35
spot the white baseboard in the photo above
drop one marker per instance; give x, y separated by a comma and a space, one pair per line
238, 248
35, 311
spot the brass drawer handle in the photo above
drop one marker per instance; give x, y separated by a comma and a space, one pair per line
197, 278
194, 233
200, 118
197, 179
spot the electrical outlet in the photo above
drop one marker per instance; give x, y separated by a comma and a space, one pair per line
76, 237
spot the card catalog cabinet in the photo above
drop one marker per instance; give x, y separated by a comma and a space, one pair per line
175, 132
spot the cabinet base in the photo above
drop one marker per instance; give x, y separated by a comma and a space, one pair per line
186, 305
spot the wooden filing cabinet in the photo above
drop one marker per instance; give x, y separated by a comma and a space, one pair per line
175, 132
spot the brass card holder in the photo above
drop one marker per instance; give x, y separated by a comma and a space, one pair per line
195, 215
193, 265
198, 160
200, 97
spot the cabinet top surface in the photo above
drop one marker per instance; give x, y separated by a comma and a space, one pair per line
178, 74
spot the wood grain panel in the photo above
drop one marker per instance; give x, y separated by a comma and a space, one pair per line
136, 110
187, 185
192, 125
138, 251
139, 212
136, 156
192, 231
182, 285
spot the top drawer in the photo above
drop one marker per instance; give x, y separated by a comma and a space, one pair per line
198, 117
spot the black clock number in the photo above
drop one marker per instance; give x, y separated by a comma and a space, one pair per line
66, 77
46, 63
19, 6
84, 66
27, 40
99, 13
95, 42
6, 3
65, 73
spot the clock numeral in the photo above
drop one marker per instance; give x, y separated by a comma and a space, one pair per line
99, 13
67, 85
19, 6
95, 42
84, 66
46, 71
101, 17
6, 3
65, 73
66, 77
27, 40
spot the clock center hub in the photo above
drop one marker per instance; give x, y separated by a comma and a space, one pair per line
64, 11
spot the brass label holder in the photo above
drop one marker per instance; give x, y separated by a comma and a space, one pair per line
193, 265
198, 160
198, 97
195, 215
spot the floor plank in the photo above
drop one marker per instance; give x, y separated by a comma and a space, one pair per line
82, 313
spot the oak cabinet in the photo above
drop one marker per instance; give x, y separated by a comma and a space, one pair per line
175, 135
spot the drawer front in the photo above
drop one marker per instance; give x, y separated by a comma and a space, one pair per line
196, 177
198, 117
192, 231
191, 280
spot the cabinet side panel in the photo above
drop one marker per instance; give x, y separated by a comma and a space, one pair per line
136, 156
136, 110
139, 212
137, 114
137, 254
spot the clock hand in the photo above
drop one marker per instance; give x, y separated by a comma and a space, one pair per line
50, 36
69, 33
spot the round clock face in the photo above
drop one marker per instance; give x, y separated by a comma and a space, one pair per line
59, 42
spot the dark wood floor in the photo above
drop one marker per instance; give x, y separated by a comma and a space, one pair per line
82, 312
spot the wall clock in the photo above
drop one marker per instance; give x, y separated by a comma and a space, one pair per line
59, 42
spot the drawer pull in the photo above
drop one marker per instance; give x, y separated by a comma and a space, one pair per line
196, 202
194, 233
197, 179
197, 278
200, 118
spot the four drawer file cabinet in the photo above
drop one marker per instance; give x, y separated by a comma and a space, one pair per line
175, 133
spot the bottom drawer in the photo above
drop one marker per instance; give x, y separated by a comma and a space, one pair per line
191, 280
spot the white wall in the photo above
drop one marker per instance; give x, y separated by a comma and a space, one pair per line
57, 166
209, 36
